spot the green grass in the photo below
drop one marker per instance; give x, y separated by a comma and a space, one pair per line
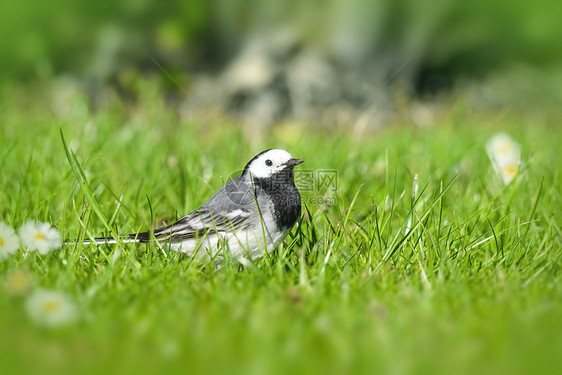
473, 287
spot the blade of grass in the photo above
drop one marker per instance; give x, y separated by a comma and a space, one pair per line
87, 189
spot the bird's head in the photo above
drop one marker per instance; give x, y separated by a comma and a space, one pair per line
270, 162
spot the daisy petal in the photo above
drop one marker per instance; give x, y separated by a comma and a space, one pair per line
505, 155
40, 237
9, 242
50, 308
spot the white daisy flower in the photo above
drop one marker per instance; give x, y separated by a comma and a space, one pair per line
18, 283
9, 242
50, 308
505, 155
40, 237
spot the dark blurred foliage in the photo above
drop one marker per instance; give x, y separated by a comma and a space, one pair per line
42, 38
97, 37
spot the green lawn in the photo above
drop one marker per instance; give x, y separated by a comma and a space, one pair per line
472, 286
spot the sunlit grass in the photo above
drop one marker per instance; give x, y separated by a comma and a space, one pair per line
458, 275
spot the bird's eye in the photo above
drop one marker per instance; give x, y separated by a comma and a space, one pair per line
269, 163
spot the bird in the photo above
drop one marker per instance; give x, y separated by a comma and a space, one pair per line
249, 215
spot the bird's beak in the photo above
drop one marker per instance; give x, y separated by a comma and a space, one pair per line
292, 162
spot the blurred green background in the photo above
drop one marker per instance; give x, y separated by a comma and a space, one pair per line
428, 47
42, 38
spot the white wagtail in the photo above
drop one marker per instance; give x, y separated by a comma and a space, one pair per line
248, 215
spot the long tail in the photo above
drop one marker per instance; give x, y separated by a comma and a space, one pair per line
142, 237
172, 233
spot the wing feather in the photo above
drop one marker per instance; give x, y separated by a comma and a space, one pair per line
198, 224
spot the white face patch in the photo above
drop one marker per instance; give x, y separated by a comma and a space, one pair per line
269, 163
